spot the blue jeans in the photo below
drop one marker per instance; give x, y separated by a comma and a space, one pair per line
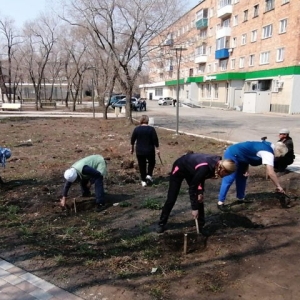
95, 178
237, 176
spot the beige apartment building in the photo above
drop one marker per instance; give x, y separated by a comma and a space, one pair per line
234, 54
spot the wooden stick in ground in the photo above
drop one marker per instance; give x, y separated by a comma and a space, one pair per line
74, 202
197, 226
185, 243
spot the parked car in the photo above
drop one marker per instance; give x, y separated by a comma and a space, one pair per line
165, 101
122, 103
115, 99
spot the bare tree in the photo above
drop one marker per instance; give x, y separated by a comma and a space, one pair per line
123, 29
10, 46
40, 37
75, 45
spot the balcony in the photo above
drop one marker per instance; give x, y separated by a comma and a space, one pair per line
201, 59
225, 11
202, 23
224, 31
222, 53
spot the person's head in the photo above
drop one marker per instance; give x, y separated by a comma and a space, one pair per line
225, 167
280, 149
70, 175
283, 133
144, 119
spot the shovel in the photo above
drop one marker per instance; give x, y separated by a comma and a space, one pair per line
158, 154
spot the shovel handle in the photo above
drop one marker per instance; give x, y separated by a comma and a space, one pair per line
197, 226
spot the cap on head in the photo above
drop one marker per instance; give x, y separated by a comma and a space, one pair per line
284, 131
70, 175
228, 165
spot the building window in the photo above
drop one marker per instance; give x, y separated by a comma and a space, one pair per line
267, 31
226, 23
222, 43
202, 90
285, 1
201, 68
232, 63
253, 36
200, 50
244, 39
203, 33
242, 62
251, 60
223, 64
280, 54
158, 91
269, 5
208, 90
235, 20
255, 11
215, 67
282, 26
233, 42
201, 14
264, 58
245, 15
209, 68
223, 3
216, 91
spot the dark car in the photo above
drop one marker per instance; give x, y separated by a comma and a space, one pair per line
122, 103
115, 99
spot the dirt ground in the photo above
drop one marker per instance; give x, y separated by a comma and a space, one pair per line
252, 252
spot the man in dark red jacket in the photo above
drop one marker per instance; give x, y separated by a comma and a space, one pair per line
195, 168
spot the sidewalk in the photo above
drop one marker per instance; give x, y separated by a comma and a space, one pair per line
17, 284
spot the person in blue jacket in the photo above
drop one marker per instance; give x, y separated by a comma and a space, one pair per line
195, 168
5, 153
254, 153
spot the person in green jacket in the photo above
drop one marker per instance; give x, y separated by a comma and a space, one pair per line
88, 170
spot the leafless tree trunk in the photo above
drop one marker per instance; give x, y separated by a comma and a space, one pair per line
123, 30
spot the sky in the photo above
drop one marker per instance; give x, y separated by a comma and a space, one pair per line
27, 10
23, 10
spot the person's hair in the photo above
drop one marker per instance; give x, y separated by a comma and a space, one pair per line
228, 165
144, 119
280, 149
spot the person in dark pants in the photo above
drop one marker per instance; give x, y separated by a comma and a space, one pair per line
146, 140
280, 163
89, 170
195, 168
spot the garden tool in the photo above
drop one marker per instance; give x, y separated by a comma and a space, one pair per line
158, 154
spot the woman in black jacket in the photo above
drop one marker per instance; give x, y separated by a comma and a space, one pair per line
146, 141
195, 168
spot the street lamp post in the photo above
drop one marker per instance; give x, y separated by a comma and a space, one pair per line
178, 51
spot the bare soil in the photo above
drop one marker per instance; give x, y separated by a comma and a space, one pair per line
252, 252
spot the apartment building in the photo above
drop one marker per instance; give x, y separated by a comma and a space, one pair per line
232, 54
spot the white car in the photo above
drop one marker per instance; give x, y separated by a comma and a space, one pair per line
165, 101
